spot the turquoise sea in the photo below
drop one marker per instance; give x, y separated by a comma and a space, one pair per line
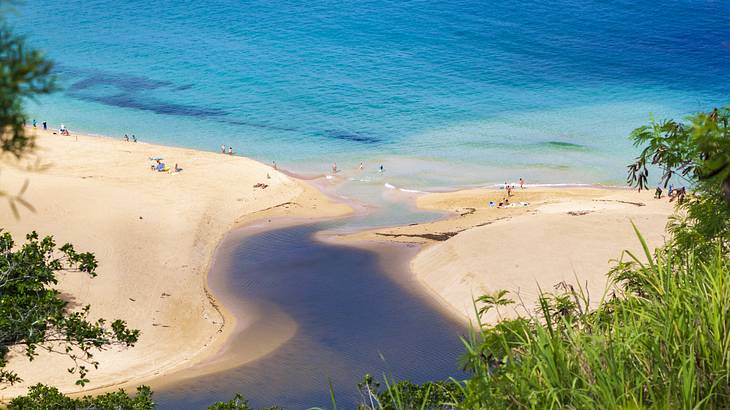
442, 93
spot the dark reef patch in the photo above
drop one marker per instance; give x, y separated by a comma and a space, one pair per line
127, 91
351, 136
263, 126
128, 100
562, 145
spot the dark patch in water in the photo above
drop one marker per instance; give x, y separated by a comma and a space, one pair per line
263, 126
121, 82
565, 145
125, 91
128, 100
352, 136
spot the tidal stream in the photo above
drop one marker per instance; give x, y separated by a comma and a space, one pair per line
357, 311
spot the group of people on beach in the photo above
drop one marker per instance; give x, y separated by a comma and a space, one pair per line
504, 203
126, 138
223, 149
673, 194
45, 124
62, 130
160, 166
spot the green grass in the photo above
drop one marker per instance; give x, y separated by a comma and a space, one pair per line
661, 339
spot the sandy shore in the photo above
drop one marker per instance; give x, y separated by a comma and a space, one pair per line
564, 234
153, 234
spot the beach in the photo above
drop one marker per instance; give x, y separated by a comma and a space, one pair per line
547, 236
153, 234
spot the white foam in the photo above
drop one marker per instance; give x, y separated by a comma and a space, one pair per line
387, 185
502, 186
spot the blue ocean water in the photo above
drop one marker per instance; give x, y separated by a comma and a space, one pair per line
443, 93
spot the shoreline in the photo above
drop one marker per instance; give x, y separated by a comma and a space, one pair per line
477, 249
286, 196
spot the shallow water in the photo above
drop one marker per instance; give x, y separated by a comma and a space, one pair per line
443, 93
357, 312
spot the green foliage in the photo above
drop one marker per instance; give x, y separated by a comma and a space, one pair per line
694, 151
405, 395
238, 403
697, 152
41, 397
24, 74
34, 316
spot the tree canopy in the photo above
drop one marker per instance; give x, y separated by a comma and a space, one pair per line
697, 152
25, 73
34, 315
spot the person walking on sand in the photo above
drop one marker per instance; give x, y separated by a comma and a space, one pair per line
522, 183
334, 168
230, 150
34, 123
223, 148
126, 138
509, 191
134, 139
361, 166
275, 168
381, 168
45, 125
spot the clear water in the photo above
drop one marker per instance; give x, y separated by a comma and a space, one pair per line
442, 93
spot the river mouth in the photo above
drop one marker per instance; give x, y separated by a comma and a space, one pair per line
317, 312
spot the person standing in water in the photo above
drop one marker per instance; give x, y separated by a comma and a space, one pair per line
230, 150
334, 168
223, 148
126, 138
381, 168
34, 123
45, 125
361, 166
134, 138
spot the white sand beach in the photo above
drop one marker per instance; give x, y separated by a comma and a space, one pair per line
154, 234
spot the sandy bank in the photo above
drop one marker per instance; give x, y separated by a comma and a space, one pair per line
562, 235
154, 234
